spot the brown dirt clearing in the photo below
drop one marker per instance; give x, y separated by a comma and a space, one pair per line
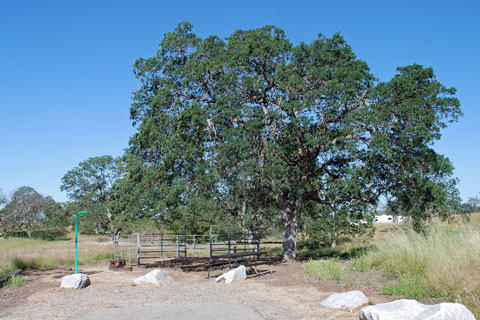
287, 294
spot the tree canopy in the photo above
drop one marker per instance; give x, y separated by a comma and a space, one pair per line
256, 126
26, 211
90, 186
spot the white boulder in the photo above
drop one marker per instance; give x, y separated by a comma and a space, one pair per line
413, 310
75, 281
156, 277
239, 273
349, 300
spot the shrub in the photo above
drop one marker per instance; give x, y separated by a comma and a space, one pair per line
15, 282
19, 263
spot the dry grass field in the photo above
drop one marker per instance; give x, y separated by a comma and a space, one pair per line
20, 253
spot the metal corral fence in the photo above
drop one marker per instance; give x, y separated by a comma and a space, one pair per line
135, 247
138, 247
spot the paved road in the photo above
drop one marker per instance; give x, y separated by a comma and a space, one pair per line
198, 311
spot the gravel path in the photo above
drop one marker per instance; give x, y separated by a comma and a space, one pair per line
199, 311
277, 296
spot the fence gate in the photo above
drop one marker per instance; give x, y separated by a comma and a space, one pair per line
138, 247
150, 246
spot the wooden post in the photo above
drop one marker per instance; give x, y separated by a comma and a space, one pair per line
138, 248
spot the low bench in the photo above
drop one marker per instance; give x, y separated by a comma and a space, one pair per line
248, 259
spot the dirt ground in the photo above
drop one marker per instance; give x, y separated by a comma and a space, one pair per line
286, 294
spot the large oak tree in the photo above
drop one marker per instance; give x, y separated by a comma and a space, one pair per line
253, 122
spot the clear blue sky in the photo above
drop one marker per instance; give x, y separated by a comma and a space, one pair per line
66, 68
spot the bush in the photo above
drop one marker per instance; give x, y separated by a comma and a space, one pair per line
51, 234
19, 263
15, 282
31, 263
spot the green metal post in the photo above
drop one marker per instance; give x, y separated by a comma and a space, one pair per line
76, 231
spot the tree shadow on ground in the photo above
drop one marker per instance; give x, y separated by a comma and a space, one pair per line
203, 264
328, 253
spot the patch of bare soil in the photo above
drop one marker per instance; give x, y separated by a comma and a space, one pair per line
287, 294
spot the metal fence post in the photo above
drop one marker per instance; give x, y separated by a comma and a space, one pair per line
185, 243
211, 243
138, 248
228, 239
161, 245
193, 245
114, 246
258, 243
177, 245
129, 248
244, 242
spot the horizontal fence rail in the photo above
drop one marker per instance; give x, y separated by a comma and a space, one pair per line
139, 247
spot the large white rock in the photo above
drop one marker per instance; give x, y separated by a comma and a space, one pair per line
406, 309
75, 281
156, 277
233, 275
349, 300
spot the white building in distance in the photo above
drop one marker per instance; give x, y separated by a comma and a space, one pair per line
388, 218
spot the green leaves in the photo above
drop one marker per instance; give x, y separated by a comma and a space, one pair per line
255, 126
91, 187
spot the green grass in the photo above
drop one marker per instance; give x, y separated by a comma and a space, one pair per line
409, 287
361, 264
21, 243
15, 282
442, 263
329, 269
36, 263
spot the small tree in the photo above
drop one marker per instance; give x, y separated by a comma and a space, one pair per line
90, 186
472, 205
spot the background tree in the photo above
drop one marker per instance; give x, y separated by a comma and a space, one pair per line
26, 211
3, 198
261, 123
472, 205
90, 186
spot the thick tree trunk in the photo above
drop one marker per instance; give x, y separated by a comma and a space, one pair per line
333, 239
115, 234
291, 216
